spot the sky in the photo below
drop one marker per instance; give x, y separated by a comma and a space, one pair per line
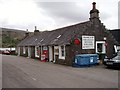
119, 15
52, 14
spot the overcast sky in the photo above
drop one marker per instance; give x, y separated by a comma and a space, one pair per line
51, 14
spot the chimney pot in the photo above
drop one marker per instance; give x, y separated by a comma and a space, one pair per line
35, 27
27, 33
26, 30
36, 32
94, 5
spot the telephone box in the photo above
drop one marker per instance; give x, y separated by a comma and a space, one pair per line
44, 55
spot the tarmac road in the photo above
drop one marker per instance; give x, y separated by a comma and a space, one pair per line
21, 72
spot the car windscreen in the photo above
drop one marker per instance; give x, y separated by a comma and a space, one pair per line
118, 56
118, 53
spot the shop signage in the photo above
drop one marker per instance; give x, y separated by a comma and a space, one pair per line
42, 57
76, 41
45, 48
88, 42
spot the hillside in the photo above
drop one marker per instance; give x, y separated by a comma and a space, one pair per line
10, 37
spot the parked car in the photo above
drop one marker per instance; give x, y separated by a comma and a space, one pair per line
7, 52
114, 62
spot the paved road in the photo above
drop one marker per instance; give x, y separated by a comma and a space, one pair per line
21, 72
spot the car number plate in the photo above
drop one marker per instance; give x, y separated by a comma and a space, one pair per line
109, 63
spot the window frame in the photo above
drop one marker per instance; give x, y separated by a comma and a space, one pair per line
36, 55
24, 50
62, 52
103, 47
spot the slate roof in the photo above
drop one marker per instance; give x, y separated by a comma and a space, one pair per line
61, 36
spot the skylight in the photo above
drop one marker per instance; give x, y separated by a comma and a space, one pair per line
36, 39
58, 36
41, 40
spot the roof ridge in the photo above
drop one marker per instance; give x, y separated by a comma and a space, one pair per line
71, 25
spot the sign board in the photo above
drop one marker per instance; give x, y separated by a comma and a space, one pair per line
76, 41
88, 42
42, 57
45, 48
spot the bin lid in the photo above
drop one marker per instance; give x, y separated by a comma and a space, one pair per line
86, 55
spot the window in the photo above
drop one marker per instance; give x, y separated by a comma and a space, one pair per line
37, 51
115, 48
100, 47
41, 40
24, 50
29, 51
62, 52
58, 36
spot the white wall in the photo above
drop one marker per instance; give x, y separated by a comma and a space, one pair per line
29, 51
50, 53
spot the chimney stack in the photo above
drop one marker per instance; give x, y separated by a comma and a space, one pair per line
36, 32
35, 27
27, 33
94, 13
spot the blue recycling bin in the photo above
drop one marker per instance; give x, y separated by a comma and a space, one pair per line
85, 60
82, 59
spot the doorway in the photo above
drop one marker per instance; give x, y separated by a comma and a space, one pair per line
101, 50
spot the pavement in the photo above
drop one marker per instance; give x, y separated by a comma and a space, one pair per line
22, 72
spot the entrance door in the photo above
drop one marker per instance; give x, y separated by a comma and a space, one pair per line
101, 50
56, 52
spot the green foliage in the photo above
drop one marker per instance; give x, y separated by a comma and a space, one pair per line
8, 41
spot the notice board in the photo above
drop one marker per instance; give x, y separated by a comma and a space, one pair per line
88, 42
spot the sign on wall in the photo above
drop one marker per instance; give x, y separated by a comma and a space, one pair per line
88, 42
45, 48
